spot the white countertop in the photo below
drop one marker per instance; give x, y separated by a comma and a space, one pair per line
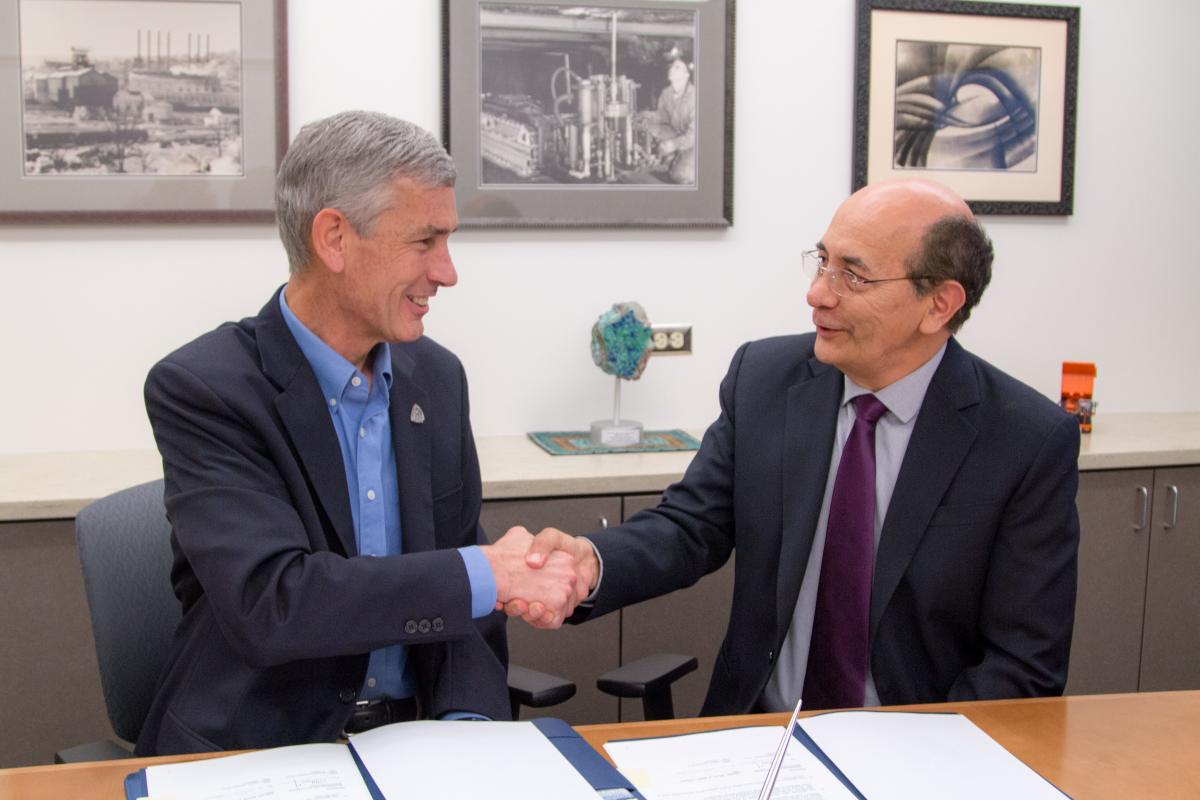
57, 485
513, 466
1125, 441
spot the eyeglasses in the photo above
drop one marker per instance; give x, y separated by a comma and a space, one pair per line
843, 282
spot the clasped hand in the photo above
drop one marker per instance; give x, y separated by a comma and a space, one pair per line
541, 578
538, 578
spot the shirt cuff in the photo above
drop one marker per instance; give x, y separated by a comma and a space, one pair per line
588, 601
483, 582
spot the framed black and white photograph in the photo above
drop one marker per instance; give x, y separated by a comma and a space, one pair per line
141, 110
978, 96
613, 114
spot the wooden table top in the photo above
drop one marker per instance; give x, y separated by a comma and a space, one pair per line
1121, 746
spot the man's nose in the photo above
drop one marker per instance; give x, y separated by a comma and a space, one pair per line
443, 272
820, 291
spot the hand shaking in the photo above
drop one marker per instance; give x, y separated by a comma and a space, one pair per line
547, 548
547, 589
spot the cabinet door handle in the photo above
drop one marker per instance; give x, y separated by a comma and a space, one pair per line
1144, 502
603, 521
1173, 518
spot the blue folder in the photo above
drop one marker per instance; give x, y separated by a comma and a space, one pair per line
608, 782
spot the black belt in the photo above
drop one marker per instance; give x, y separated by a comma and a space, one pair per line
370, 714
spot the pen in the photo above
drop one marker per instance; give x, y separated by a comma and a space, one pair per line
769, 783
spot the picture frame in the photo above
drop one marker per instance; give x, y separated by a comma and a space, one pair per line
566, 115
978, 96
146, 111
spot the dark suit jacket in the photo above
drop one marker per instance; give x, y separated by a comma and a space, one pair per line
973, 593
279, 612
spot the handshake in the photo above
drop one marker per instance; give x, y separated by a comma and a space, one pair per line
541, 578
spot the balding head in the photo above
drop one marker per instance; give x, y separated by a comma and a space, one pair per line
905, 262
898, 213
932, 229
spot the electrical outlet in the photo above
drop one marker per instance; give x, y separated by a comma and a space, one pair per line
671, 340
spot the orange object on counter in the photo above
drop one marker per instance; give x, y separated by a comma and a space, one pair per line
1078, 380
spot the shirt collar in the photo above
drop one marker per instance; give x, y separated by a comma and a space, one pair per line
903, 398
333, 371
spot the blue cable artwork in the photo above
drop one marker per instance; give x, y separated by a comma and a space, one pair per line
966, 106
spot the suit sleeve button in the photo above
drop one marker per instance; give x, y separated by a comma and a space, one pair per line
423, 626
410, 627
438, 625
347, 695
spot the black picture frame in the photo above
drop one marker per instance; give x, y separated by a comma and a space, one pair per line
56, 162
499, 59
902, 103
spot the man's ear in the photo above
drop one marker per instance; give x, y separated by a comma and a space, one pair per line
946, 299
330, 238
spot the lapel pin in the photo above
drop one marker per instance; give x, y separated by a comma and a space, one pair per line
417, 416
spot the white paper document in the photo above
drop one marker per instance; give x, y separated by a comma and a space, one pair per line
894, 755
419, 760
722, 765
492, 760
304, 772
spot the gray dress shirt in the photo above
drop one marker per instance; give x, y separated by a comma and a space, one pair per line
903, 400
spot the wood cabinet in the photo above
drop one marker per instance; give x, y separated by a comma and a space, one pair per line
50, 695
1171, 636
1137, 612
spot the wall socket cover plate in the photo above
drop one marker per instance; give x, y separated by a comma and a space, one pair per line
671, 339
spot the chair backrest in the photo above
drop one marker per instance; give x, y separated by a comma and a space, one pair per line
125, 549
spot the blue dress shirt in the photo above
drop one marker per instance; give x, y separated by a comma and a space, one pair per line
359, 410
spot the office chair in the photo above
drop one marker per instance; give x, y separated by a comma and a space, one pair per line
649, 678
125, 551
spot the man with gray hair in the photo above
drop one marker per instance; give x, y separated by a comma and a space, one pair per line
321, 477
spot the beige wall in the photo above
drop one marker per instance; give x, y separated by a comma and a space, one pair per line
85, 310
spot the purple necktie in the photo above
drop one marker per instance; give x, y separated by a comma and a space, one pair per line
837, 654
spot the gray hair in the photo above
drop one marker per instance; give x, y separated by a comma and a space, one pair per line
348, 162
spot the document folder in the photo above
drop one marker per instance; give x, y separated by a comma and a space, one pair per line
605, 779
848, 755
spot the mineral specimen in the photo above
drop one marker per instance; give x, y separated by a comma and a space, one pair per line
621, 341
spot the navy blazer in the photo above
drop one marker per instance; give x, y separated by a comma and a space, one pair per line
973, 594
280, 613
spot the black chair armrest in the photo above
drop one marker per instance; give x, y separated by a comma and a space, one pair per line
536, 689
649, 678
104, 750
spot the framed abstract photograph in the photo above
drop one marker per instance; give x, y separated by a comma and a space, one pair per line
978, 96
615, 113
141, 110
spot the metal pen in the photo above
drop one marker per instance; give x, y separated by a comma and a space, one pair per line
773, 773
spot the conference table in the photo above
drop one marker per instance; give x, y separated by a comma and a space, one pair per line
1144, 745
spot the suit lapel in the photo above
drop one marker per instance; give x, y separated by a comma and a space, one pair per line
413, 438
302, 409
809, 429
940, 441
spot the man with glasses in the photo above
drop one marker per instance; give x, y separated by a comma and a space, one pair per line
903, 512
